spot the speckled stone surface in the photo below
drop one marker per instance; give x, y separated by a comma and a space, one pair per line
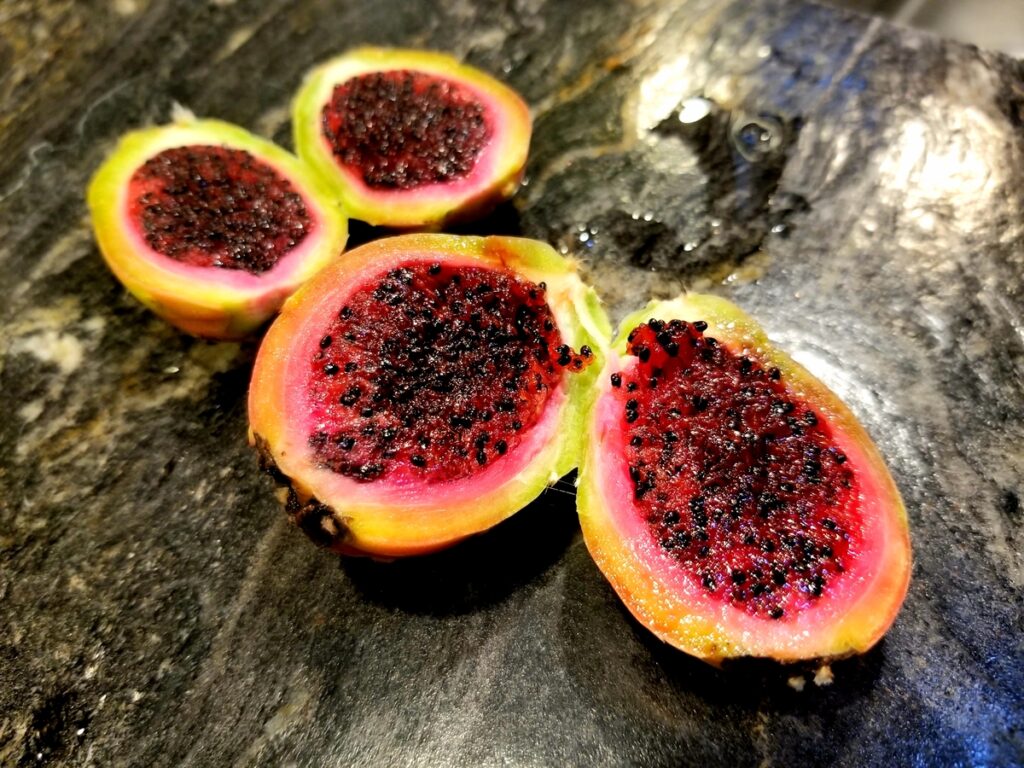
858, 188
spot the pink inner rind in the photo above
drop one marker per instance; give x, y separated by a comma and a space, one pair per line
844, 593
479, 178
399, 491
285, 268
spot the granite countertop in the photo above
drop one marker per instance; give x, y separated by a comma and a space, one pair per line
857, 187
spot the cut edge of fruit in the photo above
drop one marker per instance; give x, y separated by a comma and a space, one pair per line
719, 631
496, 175
369, 523
206, 301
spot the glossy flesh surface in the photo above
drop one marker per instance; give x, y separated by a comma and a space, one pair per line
433, 371
210, 206
401, 129
738, 481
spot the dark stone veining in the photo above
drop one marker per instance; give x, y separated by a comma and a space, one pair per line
857, 187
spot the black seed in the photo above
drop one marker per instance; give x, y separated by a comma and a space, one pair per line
826, 550
366, 413
417, 461
776, 612
672, 349
652, 382
738, 577
816, 585
331, 369
517, 425
632, 405
668, 543
352, 394
632, 386
346, 443
828, 522
586, 351
671, 517
634, 474
708, 581
704, 551
746, 365
351, 367
700, 325
700, 403
775, 374
346, 312
636, 441
434, 269
631, 416
683, 539
643, 353
655, 325
325, 342
670, 437
810, 419
616, 380
501, 446
481, 458
779, 577
840, 458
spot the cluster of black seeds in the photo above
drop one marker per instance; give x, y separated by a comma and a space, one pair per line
436, 371
217, 207
738, 481
401, 129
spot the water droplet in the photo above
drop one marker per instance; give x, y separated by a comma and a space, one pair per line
757, 137
689, 247
648, 216
584, 236
778, 229
715, 223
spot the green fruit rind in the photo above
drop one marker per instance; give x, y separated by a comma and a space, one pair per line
206, 302
431, 207
646, 580
387, 522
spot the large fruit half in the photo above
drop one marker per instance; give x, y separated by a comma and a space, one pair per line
411, 139
733, 501
210, 226
425, 387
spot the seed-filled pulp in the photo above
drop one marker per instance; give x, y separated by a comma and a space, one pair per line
402, 129
434, 370
738, 480
213, 206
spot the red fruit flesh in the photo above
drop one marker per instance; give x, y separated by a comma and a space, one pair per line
772, 512
400, 129
433, 371
210, 206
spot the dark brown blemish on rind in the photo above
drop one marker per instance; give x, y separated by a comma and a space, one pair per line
317, 520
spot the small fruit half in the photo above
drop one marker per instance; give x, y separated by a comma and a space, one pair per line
732, 500
425, 387
210, 226
411, 139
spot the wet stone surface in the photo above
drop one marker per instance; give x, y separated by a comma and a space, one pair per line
856, 187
